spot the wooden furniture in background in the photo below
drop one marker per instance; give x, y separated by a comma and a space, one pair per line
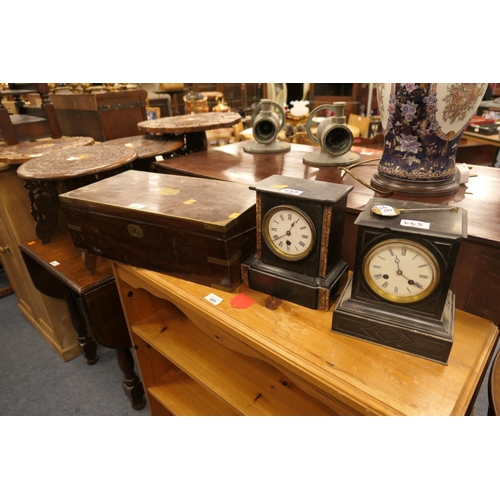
49, 316
476, 280
477, 152
361, 122
375, 142
57, 270
192, 127
239, 96
198, 357
29, 121
491, 144
55, 173
328, 93
101, 115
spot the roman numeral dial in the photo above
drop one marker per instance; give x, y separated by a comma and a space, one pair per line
289, 232
401, 271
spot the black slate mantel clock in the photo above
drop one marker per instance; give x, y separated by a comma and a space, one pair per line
399, 294
300, 226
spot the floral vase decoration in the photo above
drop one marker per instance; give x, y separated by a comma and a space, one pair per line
423, 124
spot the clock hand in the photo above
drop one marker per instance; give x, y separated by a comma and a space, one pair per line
288, 232
293, 224
400, 273
279, 237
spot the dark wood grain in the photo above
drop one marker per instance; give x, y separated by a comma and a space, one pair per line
196, 229
25, 151
101, 115
476, 281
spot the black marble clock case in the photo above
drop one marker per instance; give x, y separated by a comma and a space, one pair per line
423, 328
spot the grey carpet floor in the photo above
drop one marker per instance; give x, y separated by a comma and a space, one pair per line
34, 380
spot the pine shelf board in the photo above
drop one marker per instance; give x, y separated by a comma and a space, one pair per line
221, 371
183, 396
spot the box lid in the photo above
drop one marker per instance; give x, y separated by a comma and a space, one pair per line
192, 204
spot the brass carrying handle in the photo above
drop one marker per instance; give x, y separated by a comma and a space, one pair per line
4, 249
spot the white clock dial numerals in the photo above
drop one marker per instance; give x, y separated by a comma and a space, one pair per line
401, 271
288, 232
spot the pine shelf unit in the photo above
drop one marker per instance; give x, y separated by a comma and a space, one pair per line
200, 358
203, 377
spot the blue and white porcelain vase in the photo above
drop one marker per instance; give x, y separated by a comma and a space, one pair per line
423, 124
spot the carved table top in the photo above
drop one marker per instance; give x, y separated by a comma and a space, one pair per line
76, 162
148, 146
199, 122
25, 151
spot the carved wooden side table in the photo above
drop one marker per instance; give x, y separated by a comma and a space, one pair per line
149, 148
25, 151
192, 127
56, 173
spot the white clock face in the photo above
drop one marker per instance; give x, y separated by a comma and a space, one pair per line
289, 232
401, 271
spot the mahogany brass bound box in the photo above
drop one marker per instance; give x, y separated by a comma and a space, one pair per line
196, 229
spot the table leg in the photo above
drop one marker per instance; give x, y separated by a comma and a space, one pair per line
196, 141
132, 385
87, 343
44, 208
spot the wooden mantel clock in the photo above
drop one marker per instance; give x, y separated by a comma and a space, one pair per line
300, 225
398, 295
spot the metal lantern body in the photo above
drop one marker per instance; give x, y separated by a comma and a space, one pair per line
334, 137
268, 119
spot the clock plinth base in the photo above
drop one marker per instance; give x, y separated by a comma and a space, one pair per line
276, 146
323, 158
415, 188
307, 291
426, 338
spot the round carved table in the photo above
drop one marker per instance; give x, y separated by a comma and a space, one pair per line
193, 127
55, 173
25, 151
148, 147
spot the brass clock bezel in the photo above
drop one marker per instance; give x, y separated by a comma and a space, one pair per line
395, 299
270, 243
